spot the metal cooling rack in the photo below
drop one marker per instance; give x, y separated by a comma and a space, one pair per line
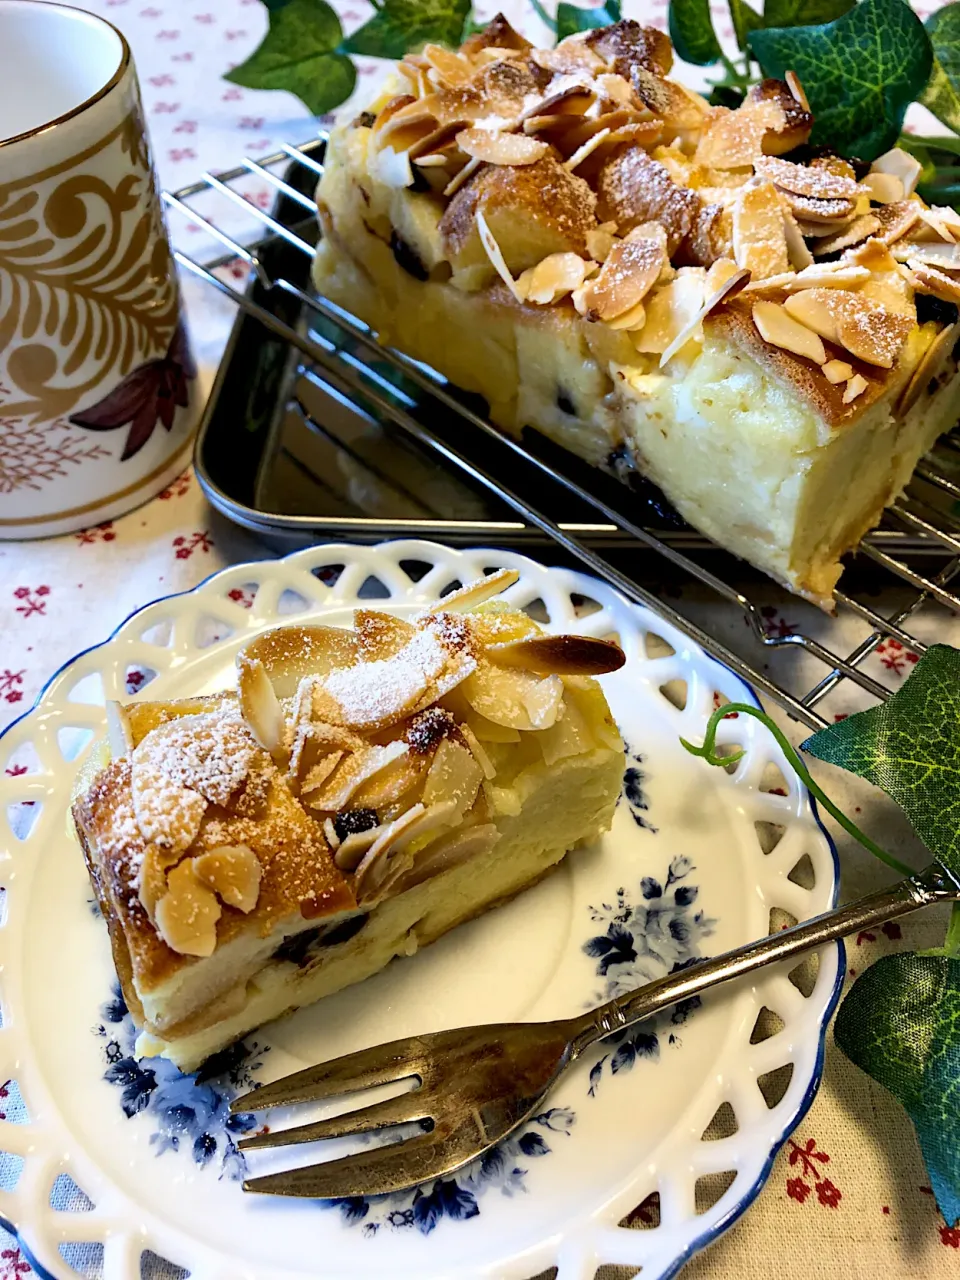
917, 551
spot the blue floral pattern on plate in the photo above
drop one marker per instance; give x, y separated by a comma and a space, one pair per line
641, 940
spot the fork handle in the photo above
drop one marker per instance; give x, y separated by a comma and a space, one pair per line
933, 884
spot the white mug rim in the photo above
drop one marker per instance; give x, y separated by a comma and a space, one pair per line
73, 13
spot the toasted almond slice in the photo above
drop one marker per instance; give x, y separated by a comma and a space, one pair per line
367, 881
631, 269
732, 139
599, 244
730, 284
586, 127
816, 210
474, 593
631, 321
119, 732
350, 852
928, 369
391, 109
804, 180
553, 278
938, 284
492, 250
817, 230
544, 702
585, 150
260, 706
449, 851
233, 872
828, 275
187, 915
290, 653
465, 174
859, 229
938, 224
392, 168
318, 773
569, 57
796, 88
433, 142
759, 240
429, 824
942, 255
478, 752
454, 775
902, 165
797, 251
168, 815
355, 771
837, 371
492, 146
379, 635
397, 782
558, 655
884, 188
782, 330
855, 387
453, 67
499, 694
868, 329
673, 310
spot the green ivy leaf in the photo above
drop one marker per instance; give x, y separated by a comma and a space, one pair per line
910, 746
803, 13
744, 21
860, 72
572, 18
900, 1023
300, 53
401, 25
942, 94
692, 33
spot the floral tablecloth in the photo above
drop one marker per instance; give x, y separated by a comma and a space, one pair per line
848, 1195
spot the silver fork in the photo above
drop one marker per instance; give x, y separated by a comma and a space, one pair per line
477, 1085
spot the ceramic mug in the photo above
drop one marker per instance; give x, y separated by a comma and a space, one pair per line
98, 396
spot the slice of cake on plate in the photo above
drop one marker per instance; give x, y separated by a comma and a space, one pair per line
361, 793
766, 331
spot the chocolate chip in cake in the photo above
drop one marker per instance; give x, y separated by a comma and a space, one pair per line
426, 730
365, 120
931, 308
565, 404
353, 821
300, 948
408, 258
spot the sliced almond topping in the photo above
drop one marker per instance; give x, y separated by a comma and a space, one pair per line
631, 269
427, 825
454, 775
260, 706
672, 310
454, 69
942, 222
495, 147
733, 139
119, 732
780, 329
168, 815
318, 773
354, 771
585, 150
492, 250
449, 851
569, 57
928, 369
544, 702
564, 655
939, 254
805, 180
379, 635
929, 280
553, 278
478, 752
393, 108
476, 592
797, 251
855, 387
902, 165
828, 275
350, 852
599, 244
465, 174
837, 371
859, 229
759, 240
187, 915
812, 209
288, 654
796, 88
233, 872
867, 329
631, 321
884, 188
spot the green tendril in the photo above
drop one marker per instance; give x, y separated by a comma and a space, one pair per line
708, 752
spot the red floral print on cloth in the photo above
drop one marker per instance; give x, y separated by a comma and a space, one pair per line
896, 657
4, 1088
178, 487
774, 624
10, 691
99, 533
32, 600
186, 546
239, 596
136, 679
13, 1264
890, 930
809, 1178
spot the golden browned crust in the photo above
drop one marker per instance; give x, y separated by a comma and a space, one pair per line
299, 880
734, 324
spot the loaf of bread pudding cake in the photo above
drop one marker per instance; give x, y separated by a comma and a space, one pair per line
765, 330
360, 793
